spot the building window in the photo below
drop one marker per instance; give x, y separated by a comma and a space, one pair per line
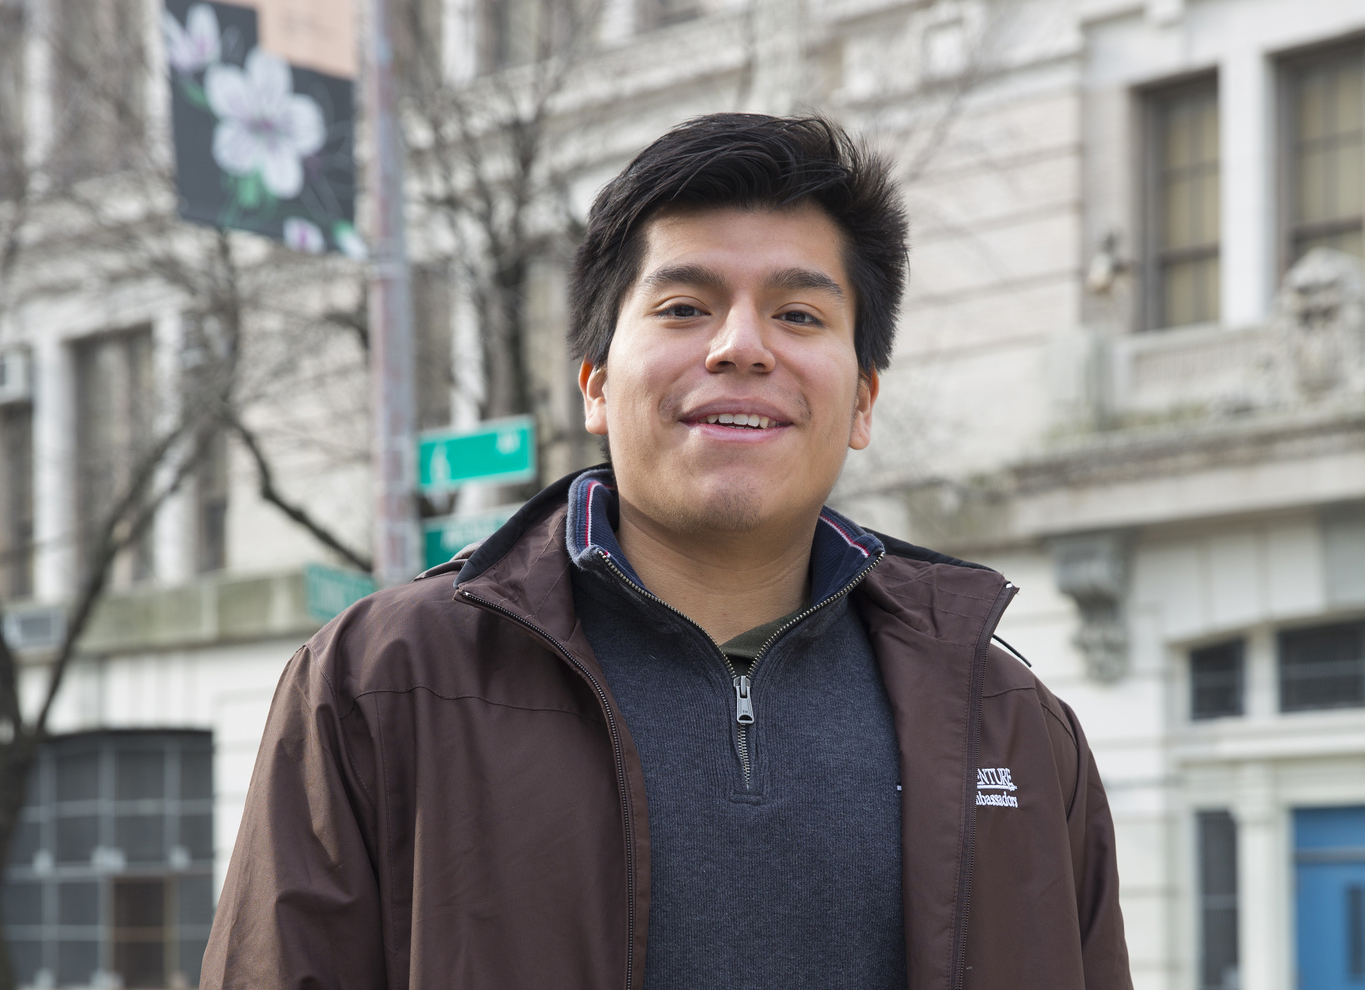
115, 405
1218, 953
1217, 680
211, 502
515, 32
1322, 667
418, 52
12, 40
661, 13
1325, 137
1184, 206
110, 879
16, 500
431, 310
99, 85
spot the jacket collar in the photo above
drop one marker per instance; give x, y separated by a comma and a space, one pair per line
522, 564
840, 551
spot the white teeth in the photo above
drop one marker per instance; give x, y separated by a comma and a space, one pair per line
751, 420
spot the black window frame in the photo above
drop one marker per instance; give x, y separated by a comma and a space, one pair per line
1218, 908
16, 500
1348, 691
1231, 653
109, 785
1287, 68
1153, 101
114, 428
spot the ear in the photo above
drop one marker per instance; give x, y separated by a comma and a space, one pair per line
592, 382
868, 386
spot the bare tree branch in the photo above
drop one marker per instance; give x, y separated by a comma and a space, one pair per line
124, 526
297, 513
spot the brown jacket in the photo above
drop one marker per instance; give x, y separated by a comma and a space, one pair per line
445, 796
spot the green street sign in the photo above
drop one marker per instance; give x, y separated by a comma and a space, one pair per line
329, 591
443, 538
501, 450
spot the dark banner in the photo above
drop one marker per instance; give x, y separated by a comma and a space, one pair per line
260, 144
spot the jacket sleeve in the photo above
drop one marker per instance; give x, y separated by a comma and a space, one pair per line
1104, 952
300, 906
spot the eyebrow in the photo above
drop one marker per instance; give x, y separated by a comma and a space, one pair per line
708, 278
804, 278
695, 275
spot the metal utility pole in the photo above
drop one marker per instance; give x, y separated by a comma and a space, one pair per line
390, 318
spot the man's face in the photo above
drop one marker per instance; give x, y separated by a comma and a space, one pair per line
731, 393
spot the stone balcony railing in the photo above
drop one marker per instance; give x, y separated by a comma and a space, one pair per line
212, 611
206, 612
1311, 350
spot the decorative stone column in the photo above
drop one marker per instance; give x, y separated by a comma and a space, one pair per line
174, 530
1093, 570
1264, 884
54, 470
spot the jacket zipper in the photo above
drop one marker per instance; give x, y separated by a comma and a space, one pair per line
964, 884
743, 683
618, 753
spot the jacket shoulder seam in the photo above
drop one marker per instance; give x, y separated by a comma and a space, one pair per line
1009, 690
1065, 725
473, 697
1070, 733
341, 739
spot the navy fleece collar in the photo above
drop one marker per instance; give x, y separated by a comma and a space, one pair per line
841, 549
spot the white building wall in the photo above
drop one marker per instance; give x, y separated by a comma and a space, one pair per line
1003, 356
224, 690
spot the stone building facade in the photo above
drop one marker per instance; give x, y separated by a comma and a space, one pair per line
1130, 375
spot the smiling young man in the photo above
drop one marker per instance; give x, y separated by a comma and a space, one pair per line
678, 724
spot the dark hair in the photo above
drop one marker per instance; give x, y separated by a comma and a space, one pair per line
751, 161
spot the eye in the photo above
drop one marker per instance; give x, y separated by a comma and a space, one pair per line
800, 317
681, 311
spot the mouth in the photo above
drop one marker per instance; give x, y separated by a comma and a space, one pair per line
745, 421
736, 416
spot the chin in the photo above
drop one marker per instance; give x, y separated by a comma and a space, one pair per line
721, 507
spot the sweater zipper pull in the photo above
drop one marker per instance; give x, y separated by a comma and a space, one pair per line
744, 706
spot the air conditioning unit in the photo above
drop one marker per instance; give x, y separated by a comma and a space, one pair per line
35, 629
15, 379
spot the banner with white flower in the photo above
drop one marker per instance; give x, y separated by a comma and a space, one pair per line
260, 144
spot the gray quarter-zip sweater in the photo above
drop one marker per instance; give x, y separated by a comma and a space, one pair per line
775, 845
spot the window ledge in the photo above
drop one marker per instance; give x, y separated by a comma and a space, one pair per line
208, 612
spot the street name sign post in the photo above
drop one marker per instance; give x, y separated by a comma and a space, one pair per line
329, 591
497, 451
443, 538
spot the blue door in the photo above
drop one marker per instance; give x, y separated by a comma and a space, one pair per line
1329, 850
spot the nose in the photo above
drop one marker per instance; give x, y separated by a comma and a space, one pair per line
740, 343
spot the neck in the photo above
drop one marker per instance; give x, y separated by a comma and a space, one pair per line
726, 585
